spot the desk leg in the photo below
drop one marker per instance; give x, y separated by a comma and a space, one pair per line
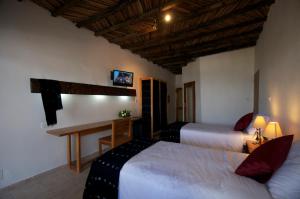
78, 153
69, 157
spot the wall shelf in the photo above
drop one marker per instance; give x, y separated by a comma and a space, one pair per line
84, 89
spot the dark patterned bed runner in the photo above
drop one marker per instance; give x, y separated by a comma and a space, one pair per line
103, 179
172, 132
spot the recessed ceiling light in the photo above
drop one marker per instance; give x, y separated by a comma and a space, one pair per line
168, 18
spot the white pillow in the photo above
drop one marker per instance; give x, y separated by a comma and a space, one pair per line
285, 183
250, 129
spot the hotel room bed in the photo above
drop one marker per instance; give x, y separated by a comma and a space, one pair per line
142, 169
213, 136
177, 171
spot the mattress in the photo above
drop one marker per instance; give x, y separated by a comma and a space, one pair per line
177, 171
213, 136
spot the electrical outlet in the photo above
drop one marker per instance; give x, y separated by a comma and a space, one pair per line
1, 174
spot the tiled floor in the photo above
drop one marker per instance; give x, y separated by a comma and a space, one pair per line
60, 183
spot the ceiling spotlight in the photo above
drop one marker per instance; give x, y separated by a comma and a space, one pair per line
168, 18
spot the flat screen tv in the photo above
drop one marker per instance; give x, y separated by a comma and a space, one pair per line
122, 78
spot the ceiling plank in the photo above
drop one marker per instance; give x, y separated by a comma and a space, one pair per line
246, 44
136, 19
195, 35
223, 48
200, 45
190, 52
182, 62
197, 53
208, 8
67, 4
219, 49
104, 14
175, 60
241, 11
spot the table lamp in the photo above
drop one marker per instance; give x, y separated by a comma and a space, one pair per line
259, 124
272, 130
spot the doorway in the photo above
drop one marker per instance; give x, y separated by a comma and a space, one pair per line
179, 105
189, 102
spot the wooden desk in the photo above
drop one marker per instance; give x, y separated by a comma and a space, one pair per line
78, 131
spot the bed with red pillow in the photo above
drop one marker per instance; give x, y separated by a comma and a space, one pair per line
180, 171
217, 136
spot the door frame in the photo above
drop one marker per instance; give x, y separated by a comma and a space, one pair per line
186, 85
178, 106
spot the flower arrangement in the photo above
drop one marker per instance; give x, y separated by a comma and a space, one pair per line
124, 113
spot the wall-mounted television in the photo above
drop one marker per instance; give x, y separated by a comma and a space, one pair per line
122, 78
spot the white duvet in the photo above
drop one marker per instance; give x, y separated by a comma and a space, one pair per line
177, 171
213, 136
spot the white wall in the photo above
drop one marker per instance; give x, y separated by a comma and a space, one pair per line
224, 85
178, 81
34, 44
278, 59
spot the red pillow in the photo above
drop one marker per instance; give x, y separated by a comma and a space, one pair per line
243, 122
266, 159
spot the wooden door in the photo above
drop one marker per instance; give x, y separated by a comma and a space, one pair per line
189, 102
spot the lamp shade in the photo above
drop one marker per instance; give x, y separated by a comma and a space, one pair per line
272, 130
259, 122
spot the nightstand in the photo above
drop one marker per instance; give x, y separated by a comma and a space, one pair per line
251, 145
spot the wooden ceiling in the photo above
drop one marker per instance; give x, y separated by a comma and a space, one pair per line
197, 28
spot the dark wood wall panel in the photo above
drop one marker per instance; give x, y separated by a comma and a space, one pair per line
85, 89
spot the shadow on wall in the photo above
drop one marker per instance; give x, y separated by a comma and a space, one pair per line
286, 110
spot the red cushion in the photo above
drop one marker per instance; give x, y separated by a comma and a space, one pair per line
243, 122
266, 159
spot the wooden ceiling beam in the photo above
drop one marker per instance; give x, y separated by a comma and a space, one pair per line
193, 52
246, 44
240, 11
183, 62
136, 19
104, 14
221, 48
194, 35
200, 52
200, 45
174, 60
67, 4
208, 8
177, 69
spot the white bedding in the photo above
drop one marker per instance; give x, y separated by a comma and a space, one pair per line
213, 136
176, 171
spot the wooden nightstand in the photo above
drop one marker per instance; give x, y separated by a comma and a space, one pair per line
251, 145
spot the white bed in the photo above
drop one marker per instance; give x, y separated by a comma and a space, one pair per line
213, 136
176, 171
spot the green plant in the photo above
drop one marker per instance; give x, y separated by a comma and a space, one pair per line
124, 113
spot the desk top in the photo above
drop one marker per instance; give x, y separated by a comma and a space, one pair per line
74, 129
83, 127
